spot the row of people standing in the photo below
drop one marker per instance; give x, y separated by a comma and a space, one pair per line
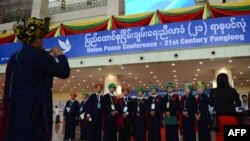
117, 115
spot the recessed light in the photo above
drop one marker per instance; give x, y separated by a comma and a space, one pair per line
78, 84
151, 72
87, 87
241, 72
176, 83
71, 90
136, 78
90, 75
173, 64
175, 80
62, 88
144, 84
196, 75
147, 87
83, 89
54, 82
93, 83
72, 76
74, 87
65, 85
147, 66
3, 84
78, 70
247, 80
123, 82
100, 79
175, 75
129, 85
230, 61
160, 84
140, 81
200, 62
241, 83
208, 85
133, 87
234, 77
122, 67
83, 80
99, 69
155, 76
176, 86
68, 81
194, 79
129, 73
174, 70
198, 69
249, 67
157, 80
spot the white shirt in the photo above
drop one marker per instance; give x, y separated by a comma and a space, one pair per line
57, 110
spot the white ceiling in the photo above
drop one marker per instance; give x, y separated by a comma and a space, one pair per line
84, 78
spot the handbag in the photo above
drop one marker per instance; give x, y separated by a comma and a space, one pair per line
170, 120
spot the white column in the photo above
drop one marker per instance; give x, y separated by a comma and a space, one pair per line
112, 79
40, 8
115, 7
226, 71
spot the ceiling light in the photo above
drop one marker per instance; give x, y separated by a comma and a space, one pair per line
175, 80
249, 67
234, 77
173, 64
176, 86
175, 75
174, 70
93, 83
55, 77
223, 68
196, 75
78, 84
151, 72
65, 85
68, 81
129, 85
54, 82
123, 82
136, 78
74, 87
247, 80
241, 83
147, 66
100, 79
230, 61
78, 70
198, 69
62, 88
194, 79
208, 85
140, 81
3, 84
99, 69
87, 87
83, 89
133, 87
147, 87
90, 75
200, 62
160, 84
72, 76
130, 73
157, 80
176, 83
83, 80
144, 84
71, 90
122, 67
155, 76
241, 72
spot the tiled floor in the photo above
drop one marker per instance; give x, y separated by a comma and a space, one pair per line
58, 133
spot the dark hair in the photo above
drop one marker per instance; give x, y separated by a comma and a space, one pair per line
56, 106
244, 96
222, 81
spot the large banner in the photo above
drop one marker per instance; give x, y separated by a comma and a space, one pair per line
192, 34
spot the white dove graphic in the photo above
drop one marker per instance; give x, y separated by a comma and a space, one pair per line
66, 46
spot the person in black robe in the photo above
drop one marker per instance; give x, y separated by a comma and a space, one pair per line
171, 108
188, 111
202, 114
29, 82
71, 114
139, 111
94, 114
84, 123
154, 109
124, 106
110, 116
